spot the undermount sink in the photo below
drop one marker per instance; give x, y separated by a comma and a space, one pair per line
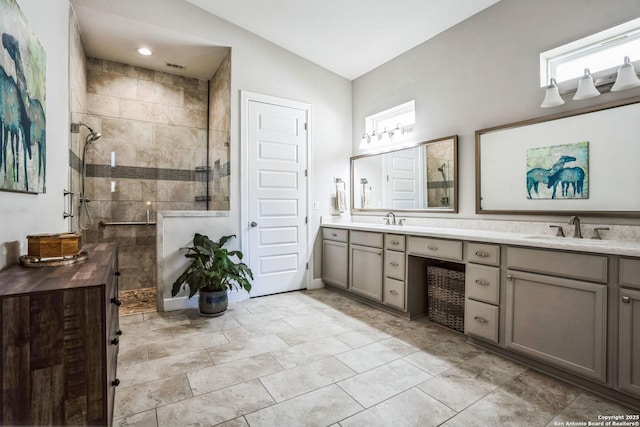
584, 241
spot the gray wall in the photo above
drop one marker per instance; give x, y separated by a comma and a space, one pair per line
484, 72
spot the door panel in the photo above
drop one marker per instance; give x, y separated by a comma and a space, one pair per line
404, 179
277, 200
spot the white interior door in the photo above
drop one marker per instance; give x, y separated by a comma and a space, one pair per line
277, 140
404, 186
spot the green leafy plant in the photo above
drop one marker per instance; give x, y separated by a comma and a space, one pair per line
213, 268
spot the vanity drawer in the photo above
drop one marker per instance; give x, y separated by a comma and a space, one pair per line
393, 293
336, 234
481, 320
483, 254
366, 238
483, 283
449, 249
574, 265
394, 264
394, 242
629, 272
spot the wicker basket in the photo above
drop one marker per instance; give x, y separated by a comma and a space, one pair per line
445, 294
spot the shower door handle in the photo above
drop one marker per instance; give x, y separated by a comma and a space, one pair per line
69, 214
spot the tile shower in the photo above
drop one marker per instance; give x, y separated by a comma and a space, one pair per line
157, 130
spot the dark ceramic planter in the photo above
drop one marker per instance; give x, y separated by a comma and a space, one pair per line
213, 304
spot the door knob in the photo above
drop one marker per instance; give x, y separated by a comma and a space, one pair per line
253, 224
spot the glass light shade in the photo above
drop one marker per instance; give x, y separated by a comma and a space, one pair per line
552, 96
626, 78
586, 87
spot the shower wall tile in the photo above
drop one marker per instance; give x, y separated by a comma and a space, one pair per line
94, 64
136, 277
146, 157
176, 158
128, 131
188, 117
132, 71
143, 111
195, 98
103, 105
160, 93
180, 136
103, 83
220, 102
175, 80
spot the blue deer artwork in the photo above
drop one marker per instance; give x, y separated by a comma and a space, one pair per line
536, 176
23, 124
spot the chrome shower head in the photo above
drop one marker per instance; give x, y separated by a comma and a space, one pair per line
93, 135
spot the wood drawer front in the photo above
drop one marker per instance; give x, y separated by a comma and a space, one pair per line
483, 254
394, 242
438, 248
629, 272
574, 265
393, 293
335, 234
366, 238
481, 320
394, 264
483, 283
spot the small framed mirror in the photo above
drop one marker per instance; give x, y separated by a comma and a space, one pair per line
419, 178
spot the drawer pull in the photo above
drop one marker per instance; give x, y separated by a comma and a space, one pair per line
432, 248
115, 341
482, 282
509, 277
395, 242
116, 301
482, 254
394, 293
626, 299
117, 273
334, 234
115, 382
394, 264
480, 319
119, 332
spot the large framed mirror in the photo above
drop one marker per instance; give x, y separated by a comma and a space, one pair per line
419, 178
583, 162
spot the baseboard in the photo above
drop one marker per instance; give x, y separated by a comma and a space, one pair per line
316, 284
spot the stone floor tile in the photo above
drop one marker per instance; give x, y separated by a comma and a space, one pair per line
319, 330
142, 419
142, 397
216, 407
302, 354
330, 404
161, 368
302, 379
443, 356
232, 373
376, 385
132, 355
587, 407
408, 409
186, 345
373, 355
246, 348
361, 337
257, 330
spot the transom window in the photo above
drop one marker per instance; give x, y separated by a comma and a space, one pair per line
601, 53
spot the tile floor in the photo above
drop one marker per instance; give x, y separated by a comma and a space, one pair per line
318, 358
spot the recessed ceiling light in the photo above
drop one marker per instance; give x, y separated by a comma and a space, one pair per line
144, 51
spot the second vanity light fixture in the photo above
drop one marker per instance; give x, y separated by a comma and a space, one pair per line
389, 132
625, 79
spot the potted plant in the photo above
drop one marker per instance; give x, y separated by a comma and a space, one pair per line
212, 272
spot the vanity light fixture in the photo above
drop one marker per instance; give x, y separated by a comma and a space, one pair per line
389, 132
145, 51
626, 78
552, 96
586, 87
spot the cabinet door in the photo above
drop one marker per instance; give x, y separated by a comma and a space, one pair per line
559, 321
366, 271
335, 263
629, 357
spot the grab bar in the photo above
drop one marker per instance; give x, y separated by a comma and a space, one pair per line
104, 224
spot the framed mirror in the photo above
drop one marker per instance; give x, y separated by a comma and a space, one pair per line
582, 162
419, 178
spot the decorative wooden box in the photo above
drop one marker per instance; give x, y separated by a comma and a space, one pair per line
53, 245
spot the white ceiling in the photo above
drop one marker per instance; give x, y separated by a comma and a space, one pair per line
348, 37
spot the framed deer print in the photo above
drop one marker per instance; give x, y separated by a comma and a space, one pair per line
582, 162
22, 104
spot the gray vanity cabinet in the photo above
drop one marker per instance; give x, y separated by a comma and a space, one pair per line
394, 271
335, 257
558, 320
366, 264
482, 291
629, 350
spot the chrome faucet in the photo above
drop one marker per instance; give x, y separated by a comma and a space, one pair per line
577, 233
392, 216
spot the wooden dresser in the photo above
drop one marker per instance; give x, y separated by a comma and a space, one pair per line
59, 341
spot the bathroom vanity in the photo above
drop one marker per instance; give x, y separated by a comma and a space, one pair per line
569, 307
59, 341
